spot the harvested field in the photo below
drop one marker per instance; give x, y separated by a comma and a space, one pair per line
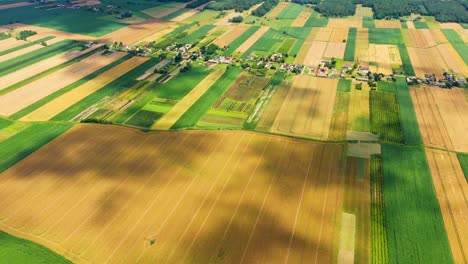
61, 103
348, 22
48, 32
183, 197
308, 108
362, 46
19, 4
302, 18
304, 50
23, 51
363, 11
387, 24
421, 64
358, 115
323, 34
20, 98
442, 117
452, 193
268, 117
423, 38
315, 53
339, 34
38, 67
10, 43
410, 24
382, 57
136, 32
452, 59
165, 11
276, 10
169, 119
230, 35
249, 42
451, 26
158, 35
335, 50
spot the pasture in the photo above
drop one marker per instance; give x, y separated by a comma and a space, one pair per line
178, 197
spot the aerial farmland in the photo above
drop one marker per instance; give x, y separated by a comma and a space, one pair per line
249, 131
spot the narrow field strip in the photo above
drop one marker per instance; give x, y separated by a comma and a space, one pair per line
170, 118
29, 94
252, 39
59, 104
26, 50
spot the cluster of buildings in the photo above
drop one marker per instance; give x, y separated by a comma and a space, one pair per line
430, 79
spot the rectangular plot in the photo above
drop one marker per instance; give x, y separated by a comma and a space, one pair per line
252, 39
421, 65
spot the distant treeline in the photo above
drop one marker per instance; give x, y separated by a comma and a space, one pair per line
443, 11
237, 5
265, 8
197, 3
336, 8
304, 2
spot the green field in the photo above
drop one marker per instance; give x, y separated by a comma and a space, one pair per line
420, 24
197, 35
197, 110
463, 158
457, 43
385, 117
27, 44
241, 39
116, 86
291, 11
66, 89
405, 59
385, 36
315, 20
14, 250
20, 145
407, 114
22, 61
388, 87
300, 34
268, 43
144, 119
286, 46
5, 122
379, 250
344, 85
415, 229
368, 22
350, 45
177, 87
403, 24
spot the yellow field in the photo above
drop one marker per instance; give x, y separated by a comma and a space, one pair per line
304, 50
136, 32
335, 50
276, 10
387, 24
166, 122
363, 11
38, 67
61, 103
347, 22
384, 56
358, 115
302, 18
20, 98
48, 32
315, 53
307, 109
362, 46
452, 59
422, 65
182, 197
230, 35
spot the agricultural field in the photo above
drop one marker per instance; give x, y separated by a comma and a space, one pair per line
183, 187
385, 117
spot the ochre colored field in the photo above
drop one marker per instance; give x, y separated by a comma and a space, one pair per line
315, 53
442, 117
410, 24
380, 54
335, 50
268, 117
348, 22
48, 32
452, 59
10, 43
387, 24
168, 120
249, 42
301, 19
277, 10
38, 67
358, 115
20, 52
339, 34
452, 192
308, 108
304, 50
230, 35
106, 194
61, 103
20, 98
362, 46
363, 11
427, 61
423, 38
323, 34
136, 32
8, 6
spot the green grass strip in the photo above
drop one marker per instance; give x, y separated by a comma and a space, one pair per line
20, 145
27, 44
66, 89
180, 85
198, 34
22, 61
48, 71
5, 122
18, 250
403, 24
241, 39
390, 36
407, 113
350, 45
457, 43
344, 85
405, 59
463, 159
198, 109
415, 228
368, 22
114, 87
385, 117
3, 36
388, 87
379, 253
420, 24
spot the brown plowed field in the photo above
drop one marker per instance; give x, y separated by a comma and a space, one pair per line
442, 117
427, 61
20, 98
308, 108
61, 103
102, 194
452, 192
231, 35
38, 67
134, 33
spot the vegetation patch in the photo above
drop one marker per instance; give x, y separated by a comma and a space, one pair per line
407, 113
390, 36
415, 228
463, 158
344, 85
457, 43
379, 250
385, 117
405, 59
315, 20
350, 49
240, 40
198, 34
368, 22
179, 86
291, 11
420, 24
388, 87
144, 119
